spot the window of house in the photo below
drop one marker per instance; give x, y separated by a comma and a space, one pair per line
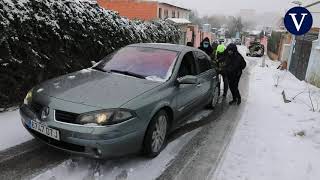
178, 14
160, 13
173, 14
166, 13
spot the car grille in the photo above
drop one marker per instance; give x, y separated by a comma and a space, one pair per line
66, 117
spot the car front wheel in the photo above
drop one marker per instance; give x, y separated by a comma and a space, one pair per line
156, 136
215, 98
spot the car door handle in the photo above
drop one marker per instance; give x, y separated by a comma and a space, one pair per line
199, 85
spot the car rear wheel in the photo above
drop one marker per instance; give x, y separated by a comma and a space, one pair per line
156, 136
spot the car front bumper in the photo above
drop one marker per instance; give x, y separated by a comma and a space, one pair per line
96, 142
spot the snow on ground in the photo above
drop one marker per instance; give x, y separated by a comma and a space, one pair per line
12, 131
136, 167
275, 140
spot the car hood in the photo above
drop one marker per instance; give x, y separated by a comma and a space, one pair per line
95, 88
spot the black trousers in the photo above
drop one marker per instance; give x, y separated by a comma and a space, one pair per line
234, 86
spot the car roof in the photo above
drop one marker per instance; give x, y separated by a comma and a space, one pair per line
165, 46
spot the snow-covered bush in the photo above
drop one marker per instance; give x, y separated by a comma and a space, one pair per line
41, 39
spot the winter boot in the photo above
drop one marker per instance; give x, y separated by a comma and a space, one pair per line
239, 101
233, 102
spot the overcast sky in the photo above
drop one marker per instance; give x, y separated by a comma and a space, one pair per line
207, 7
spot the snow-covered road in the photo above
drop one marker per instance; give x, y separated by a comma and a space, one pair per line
125, 168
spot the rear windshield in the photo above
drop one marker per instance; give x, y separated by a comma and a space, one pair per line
150, 63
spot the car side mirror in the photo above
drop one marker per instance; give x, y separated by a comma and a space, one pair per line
93, 63
188, 80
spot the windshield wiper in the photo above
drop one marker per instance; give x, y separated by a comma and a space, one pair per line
128, 73
98, 69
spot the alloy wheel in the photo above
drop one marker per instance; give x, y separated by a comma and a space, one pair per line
159, 133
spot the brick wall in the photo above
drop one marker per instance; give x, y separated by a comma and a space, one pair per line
132, 9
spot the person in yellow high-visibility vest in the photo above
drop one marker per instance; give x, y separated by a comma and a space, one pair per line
220, 64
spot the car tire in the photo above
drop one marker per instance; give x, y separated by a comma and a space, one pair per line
156, 136
215, 98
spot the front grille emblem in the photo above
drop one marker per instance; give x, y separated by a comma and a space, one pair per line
45, 113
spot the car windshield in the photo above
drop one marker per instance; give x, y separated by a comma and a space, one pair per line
141, 62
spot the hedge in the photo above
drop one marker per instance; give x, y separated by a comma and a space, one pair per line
42, 39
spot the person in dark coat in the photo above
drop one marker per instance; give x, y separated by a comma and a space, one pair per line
206, 47
235, 63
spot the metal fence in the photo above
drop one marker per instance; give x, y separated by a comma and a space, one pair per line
301, 54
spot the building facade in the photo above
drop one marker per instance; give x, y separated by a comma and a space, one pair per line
151, 10
145, 10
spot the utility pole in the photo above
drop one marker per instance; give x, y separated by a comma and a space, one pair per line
264, 54
263, 61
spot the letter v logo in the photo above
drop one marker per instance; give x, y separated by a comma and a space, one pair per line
298, 20
295, 21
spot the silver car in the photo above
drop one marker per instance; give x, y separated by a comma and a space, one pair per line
126, 103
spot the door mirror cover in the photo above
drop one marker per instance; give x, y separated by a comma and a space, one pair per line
188, 80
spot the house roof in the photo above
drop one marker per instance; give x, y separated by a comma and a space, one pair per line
312, 4
167, 4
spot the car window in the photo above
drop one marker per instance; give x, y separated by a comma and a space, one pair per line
203, 62
188, 66
149, 63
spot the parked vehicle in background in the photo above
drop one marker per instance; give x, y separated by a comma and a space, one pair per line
128, 102
256, 49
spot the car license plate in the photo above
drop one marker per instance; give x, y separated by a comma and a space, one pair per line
45, 130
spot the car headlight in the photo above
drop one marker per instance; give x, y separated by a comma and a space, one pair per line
105, 117
28, 98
